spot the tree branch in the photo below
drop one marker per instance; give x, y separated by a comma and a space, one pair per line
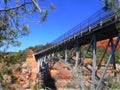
8, 9
36, 4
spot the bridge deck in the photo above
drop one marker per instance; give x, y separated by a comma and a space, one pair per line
103, 28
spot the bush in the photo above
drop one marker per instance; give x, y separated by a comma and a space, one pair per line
13, 79
36, 87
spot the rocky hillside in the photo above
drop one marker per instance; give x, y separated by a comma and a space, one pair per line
18, 72
103, 44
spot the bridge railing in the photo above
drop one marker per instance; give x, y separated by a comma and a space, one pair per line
93, 20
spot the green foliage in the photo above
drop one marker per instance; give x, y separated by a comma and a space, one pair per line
108, 4
117, 57
13, 16
13, 79
9, 63
25, 28
39, 86
118, 25
7, 86
1, 60
115, 85
1, 76
14, 59
9, 72
35, 87
4, 69
113, 5
43, 86
39, 47
70, 86
113, 82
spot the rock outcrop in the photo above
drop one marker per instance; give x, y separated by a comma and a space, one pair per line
28, 73
103, 44
60, 71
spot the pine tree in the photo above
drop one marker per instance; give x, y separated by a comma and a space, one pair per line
14, 15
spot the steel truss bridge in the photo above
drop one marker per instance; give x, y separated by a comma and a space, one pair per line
98, 27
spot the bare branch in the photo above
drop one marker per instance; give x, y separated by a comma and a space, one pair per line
16, 7
36, 4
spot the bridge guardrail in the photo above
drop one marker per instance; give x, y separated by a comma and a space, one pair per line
94, 19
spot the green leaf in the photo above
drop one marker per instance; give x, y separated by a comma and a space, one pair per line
25, 28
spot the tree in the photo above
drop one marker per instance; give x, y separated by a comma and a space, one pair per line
13, 17
113, 5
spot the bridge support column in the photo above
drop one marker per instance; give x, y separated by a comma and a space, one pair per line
48, 56
94, 62
38, 66
66, 52
86, 51
103, 55
58, 55
53, 54
44, 57
41, 62
108, 62
113, 58
77, 54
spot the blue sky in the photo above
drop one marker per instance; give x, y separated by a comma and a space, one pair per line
68, 14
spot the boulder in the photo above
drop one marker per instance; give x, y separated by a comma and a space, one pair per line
25, 65
21, 78
6, 78
26, 85
26, 70
59, 70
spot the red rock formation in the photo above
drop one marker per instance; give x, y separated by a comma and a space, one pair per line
60, 71
104, 43
33, 66
27, 73
30, 52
